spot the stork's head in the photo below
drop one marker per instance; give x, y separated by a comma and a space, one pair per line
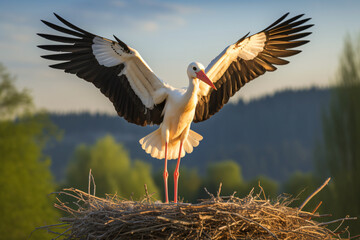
196, 70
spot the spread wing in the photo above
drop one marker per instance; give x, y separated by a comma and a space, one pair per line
112, 66
247, 59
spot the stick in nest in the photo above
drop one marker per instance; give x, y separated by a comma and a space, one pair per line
314, 193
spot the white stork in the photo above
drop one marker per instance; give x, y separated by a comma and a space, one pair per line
142, 98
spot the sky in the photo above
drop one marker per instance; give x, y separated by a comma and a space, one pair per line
169, 35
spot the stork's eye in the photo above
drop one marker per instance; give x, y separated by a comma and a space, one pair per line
194, 68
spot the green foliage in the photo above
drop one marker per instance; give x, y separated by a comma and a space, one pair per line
339, 156
140, 174
270, 187
25, 179
189, 183
227, 172
111, 168
300, 186
12, 101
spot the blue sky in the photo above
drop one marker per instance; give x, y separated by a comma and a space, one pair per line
169, 35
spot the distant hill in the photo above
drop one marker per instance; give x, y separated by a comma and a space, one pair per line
272, 136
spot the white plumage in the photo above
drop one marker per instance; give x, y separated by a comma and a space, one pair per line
142, 98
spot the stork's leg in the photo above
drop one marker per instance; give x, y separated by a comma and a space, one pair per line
166, 174
176, 175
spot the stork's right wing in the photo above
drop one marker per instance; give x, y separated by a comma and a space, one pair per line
116, 69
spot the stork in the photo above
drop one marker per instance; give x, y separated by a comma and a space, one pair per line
140, 97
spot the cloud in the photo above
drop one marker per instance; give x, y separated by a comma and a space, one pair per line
153, 15
159, 23
149, 26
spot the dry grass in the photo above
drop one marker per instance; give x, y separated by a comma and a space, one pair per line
214, 218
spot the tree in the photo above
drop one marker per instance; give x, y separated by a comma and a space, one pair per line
189, 183
300, 185
111, 168
12, 101
339, 155
227, 172
269, 186
25, 179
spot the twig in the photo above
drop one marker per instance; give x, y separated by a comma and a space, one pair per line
357, 236
53, 226
91, 179
47, 227
247, 220
345, 230
63, 233
147, 194
314, 193
316, 208
262, 190
175, 221
302, 233
337, 220
145, 228
219, 191
210, 194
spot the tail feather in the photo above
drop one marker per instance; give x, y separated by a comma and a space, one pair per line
148, 142
193, 142
194, 138
153, 145
195, 135
188, 147
154, 151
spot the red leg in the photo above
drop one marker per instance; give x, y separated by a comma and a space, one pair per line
176, 175
165, 175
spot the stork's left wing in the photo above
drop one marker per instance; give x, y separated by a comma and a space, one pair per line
247, 59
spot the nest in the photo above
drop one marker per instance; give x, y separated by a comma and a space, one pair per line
218, 217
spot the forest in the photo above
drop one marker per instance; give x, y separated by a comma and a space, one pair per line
287, 143
272, 136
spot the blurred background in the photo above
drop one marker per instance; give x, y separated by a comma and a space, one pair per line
287, 131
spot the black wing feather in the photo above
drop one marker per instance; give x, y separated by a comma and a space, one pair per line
76, 57
281, 37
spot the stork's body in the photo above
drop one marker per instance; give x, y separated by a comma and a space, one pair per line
179, 113
142, 98
174, 137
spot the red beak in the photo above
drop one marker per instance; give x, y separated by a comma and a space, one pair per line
202, 76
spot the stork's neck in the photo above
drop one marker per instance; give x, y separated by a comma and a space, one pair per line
193, 87
190, 97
